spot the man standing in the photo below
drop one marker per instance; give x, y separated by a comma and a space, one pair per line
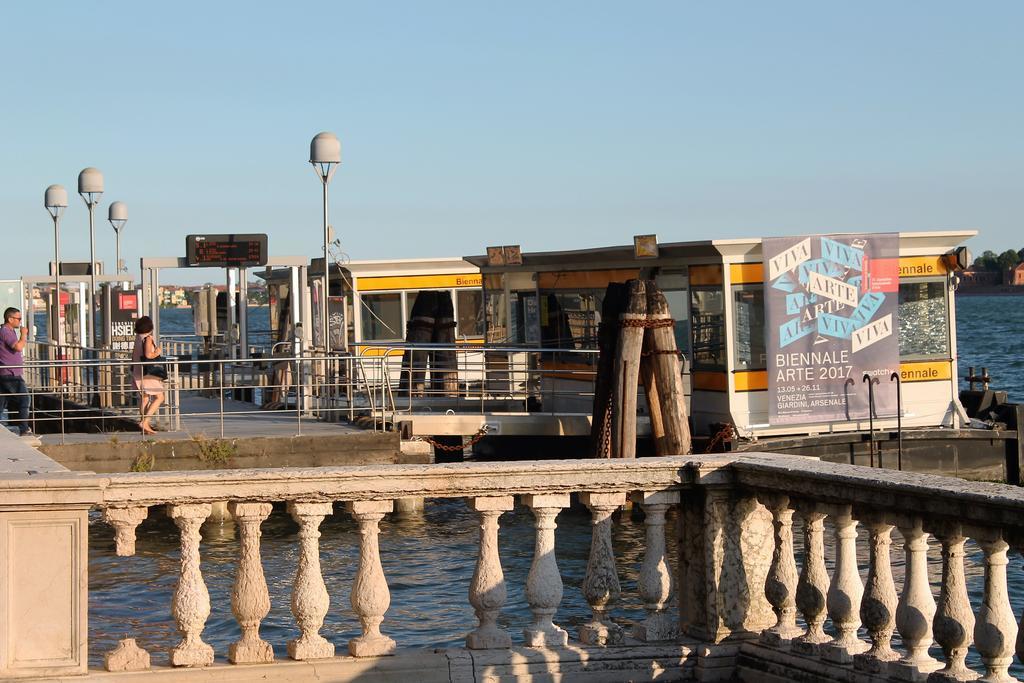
13, 391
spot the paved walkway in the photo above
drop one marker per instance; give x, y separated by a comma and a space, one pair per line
202, 416
18, 456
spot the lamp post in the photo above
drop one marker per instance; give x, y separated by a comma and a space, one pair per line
117, 214
325, 156
55, 200
90, 187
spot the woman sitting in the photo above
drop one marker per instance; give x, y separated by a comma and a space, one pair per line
150, 387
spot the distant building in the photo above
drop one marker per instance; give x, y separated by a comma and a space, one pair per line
974, 277
173, 297
1015, 276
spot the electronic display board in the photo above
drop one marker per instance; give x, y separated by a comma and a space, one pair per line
226, 251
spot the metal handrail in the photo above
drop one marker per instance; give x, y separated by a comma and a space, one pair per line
323, 384
872, 381
899, 418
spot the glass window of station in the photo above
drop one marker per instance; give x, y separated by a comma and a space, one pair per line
923, 324
707, 320
569, 318
384, 314
924, 319
748, 327
674, 284
469, 310
550, 318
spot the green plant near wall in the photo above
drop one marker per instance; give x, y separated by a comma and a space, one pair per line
144, 461
216, 451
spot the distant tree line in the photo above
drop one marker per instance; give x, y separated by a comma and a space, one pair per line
989, 260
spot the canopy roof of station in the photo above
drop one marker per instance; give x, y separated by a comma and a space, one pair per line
706, 251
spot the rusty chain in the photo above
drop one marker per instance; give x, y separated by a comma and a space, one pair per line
647, 323
606, 429
726, 432
661, 352
474, 440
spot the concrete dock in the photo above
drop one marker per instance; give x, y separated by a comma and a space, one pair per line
241, 436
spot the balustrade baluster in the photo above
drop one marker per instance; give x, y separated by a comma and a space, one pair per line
844, 592
544, 582
916, 608
878, 606
601, 584
370, 595
250, 599
1020, 628
487, 590
310, 600
1019, 545
655, 583
125, 520
813, 584
190, 605
127, 656
995, 632
780, 585
954, 621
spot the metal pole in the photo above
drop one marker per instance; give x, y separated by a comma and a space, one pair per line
243, 315
298, 381
220, 394
899, 418
230, 337
55, 323
155, 300
92, 277
871, 415
325, 324
117, 252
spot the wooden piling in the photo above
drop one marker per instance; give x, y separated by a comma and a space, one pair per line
612, 307
444, 377
419, 330
626, 374
662, 372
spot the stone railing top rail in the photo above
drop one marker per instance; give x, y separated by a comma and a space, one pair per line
364, 482
867, 489
383, 482
930, 496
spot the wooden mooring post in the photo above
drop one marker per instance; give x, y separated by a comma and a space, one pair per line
607, 341
643, 348
444, 376
419, 330
663, 378
626, 369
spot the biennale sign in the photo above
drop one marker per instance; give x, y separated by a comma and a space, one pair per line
831, 316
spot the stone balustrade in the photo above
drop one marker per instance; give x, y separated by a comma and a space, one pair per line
752, 596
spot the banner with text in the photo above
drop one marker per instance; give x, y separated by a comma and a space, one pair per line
831, 306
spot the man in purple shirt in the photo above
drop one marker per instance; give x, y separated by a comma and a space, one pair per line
13, 391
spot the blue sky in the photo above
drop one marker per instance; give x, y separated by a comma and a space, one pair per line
549, 124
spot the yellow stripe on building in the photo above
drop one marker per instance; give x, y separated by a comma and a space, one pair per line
751, 380
706, 380
376, 284
706, 275
746, 273
915, 371
922, 266
910, 266
584, 279
926, 371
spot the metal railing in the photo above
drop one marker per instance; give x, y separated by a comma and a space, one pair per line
402, 378
89, 389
